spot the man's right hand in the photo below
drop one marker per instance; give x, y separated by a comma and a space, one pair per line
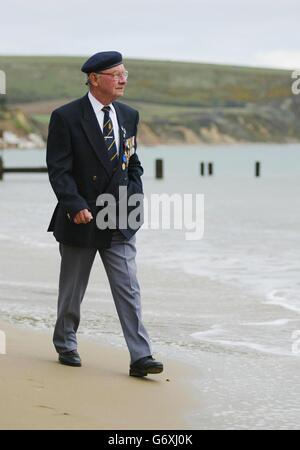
83, 216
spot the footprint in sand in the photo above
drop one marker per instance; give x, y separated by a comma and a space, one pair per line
53, 409
45, 407
39, 386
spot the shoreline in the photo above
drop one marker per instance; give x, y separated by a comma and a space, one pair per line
39, 393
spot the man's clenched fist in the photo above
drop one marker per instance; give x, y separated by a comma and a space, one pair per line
83, 216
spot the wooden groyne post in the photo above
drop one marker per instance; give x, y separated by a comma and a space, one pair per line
202, 169
159, 168
1, 168
257, 169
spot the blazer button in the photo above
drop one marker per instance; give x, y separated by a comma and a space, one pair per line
95, 178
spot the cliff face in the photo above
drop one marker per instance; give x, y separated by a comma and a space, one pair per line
18, 130
277, 122
14, 121
214, 133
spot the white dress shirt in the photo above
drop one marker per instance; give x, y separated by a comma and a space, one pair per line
97, 107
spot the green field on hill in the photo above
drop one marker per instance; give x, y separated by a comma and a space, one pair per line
31, 79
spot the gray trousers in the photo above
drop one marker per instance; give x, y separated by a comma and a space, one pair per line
120, 267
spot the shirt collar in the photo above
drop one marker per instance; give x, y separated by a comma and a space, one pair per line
97, 106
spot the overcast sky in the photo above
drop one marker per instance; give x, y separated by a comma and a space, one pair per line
242, 32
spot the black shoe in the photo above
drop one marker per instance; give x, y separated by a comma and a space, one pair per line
70, 358
145, 365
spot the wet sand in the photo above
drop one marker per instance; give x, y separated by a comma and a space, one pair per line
39, 393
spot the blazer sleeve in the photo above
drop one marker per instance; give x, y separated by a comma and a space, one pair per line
60, 164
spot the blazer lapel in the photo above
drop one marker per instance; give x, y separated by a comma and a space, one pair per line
121, 122
94, 134
122, 130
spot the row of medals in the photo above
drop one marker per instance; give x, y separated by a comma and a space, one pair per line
126, 156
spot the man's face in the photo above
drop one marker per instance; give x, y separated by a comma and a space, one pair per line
110, 83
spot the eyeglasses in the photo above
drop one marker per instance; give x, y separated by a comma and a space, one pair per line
116, 76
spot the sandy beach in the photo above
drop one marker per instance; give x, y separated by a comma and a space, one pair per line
39, 393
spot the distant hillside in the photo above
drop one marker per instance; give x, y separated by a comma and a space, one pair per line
178, 102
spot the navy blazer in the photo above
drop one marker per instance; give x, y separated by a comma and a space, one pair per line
79, 170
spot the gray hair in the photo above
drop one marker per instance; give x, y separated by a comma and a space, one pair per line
88, 83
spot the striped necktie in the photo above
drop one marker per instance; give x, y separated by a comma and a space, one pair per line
109, 137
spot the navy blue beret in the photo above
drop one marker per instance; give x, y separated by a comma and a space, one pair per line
101, 61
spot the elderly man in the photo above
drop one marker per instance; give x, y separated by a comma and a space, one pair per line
91, 150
